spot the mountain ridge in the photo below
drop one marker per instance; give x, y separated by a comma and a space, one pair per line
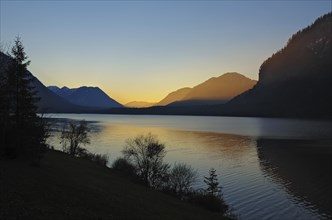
296, 80
86, 96
215, 90
223, 87
49, 101
174, 96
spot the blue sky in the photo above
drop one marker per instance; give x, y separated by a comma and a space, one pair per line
142, 50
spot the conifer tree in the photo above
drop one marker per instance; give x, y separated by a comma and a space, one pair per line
20, 86
212, 183
25, 131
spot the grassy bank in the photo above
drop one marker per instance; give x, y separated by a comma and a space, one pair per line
64, 187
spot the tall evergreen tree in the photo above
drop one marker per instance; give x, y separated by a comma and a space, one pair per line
20, 86
4, 105
25, 132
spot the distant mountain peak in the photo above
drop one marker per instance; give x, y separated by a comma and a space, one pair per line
232, 74
49, 101
53, 88
212, 91
222, 88
87, 96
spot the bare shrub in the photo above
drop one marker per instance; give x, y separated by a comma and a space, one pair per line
181, 179
73, 135
146, 153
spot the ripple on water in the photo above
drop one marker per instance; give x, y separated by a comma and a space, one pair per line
250, 179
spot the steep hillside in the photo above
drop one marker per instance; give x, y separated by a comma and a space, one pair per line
86, 96
215, 90
49, 102
174, 96
65, 187
295, 81
222, 88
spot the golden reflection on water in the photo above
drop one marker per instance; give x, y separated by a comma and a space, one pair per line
214, 145
249, 170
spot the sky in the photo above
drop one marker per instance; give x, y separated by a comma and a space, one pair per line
143, 50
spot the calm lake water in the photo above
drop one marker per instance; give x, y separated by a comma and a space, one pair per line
268, 168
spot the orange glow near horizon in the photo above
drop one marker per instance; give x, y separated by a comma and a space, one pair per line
136, 51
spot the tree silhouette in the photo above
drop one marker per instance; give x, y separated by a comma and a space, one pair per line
181, 178
23, 132
146, 153
212, 183
73, 136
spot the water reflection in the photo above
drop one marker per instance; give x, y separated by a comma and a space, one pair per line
303, 167
243, 126
261, 178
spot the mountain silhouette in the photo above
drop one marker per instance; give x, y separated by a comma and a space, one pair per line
215, 90
224, 87
296, 80
174, 96
63, 92
86, 96
49, 101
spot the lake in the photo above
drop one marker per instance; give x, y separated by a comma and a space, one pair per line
268, 168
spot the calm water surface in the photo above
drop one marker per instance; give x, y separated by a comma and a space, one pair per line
268, 168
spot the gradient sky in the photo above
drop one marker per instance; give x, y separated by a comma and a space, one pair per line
142, 50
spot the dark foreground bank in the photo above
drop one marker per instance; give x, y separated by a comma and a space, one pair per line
64, 187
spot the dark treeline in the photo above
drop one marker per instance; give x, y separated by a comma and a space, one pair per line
22, 131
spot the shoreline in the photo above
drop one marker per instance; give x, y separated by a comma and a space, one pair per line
64, 187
